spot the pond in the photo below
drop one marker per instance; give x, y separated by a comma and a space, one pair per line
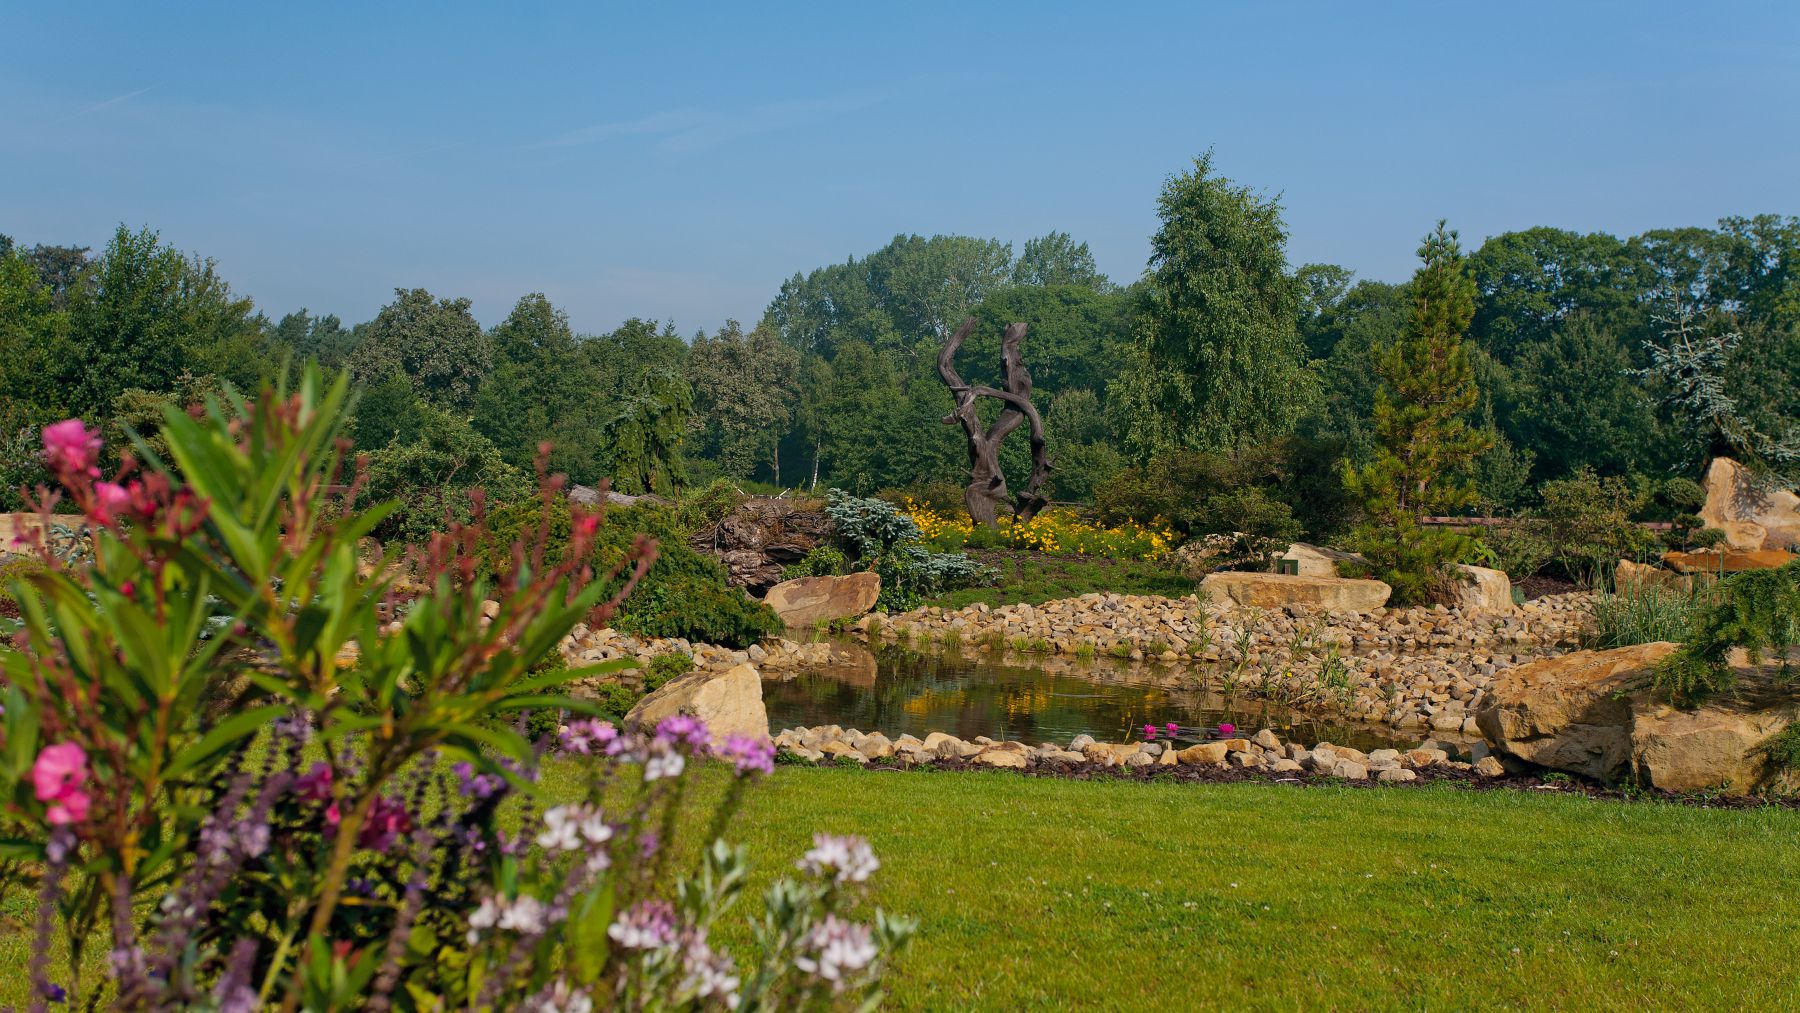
1032, 698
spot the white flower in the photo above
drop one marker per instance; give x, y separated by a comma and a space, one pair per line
526, 914
708, 974
664, 763
835, 949
847, 859
483, 919
559, 998
566, 827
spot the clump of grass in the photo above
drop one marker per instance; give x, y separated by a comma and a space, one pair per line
1645, 614
950, 638
1120, 650
1084, 650
875, 628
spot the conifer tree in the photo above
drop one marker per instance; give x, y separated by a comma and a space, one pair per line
1422, 430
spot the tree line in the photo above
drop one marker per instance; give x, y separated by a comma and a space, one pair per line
1258, 383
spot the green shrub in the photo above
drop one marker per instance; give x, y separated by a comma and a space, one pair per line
1758, 611
684, 594
1588, 521
615, 700
1783, 749
665, 668
823, 561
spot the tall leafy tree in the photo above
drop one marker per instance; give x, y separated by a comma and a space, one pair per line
435, 343
1055, 258
543, 388
645, 437
1421, 424
745, 388
144, 314
1576, 407
1218, 362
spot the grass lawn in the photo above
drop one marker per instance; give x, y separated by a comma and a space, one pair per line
1035, 578
1049, 894
1056, 894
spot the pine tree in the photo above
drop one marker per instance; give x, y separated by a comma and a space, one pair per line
1422, 428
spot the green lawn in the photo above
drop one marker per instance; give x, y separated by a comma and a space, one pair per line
1048, 894
1058, 894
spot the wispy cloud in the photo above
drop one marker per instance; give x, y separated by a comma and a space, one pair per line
108, 103
688, 130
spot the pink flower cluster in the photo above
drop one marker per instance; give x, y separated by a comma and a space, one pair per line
58, 776
72, 451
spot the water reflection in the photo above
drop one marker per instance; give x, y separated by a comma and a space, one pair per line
1032, 698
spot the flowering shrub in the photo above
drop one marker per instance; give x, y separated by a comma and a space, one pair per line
271, 780
1057, 531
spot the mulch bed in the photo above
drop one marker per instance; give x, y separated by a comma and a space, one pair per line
1429, 777
1540, 586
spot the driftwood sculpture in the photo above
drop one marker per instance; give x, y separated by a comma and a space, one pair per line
987, 493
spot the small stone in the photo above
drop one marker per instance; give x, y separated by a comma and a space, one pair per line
1396, 774
1205, 754
1001, 758
1267, 739
1080, 742
1489, 766
1285, 766
835, 748
1349, 770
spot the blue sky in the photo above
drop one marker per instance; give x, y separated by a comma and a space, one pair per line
679, 162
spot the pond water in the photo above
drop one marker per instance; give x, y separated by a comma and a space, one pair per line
1031, 698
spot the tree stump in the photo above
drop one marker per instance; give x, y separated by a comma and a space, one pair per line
987, 494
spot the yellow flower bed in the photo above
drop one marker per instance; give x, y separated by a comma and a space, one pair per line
1059, 531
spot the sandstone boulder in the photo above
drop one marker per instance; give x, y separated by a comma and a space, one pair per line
807, 601
1318, 561
1632, 576
1480, 589
1728, 561
1274, 590
1752, 518
1565, 712
730, 702
1709, 747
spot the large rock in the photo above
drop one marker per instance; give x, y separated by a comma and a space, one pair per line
1751, 518
806, 601
1480, 589
1634, 576
730, 702
1710, 747
762, 535
1728, 561
1589, 713
1273, 590
1565, 712
1318, 561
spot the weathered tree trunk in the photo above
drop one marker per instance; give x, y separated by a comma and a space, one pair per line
987, 494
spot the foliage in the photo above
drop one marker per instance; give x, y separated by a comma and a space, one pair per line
1757, 611
1273, 492
1645, 613
647, 433
1588, 520
1421, 430
1058, 531
1690, 365
745, 386
1217, 362
698, 609
1034, 578
430, 478
1521, 547
884, 539
371, 875
821, 561
435, 343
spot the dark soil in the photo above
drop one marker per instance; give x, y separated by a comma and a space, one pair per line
1540, 586
1466, 780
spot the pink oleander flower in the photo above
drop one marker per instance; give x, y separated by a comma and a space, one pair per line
386, 823
110, 501
58, 769
315, 784
72, 449
68, 809
749, 755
